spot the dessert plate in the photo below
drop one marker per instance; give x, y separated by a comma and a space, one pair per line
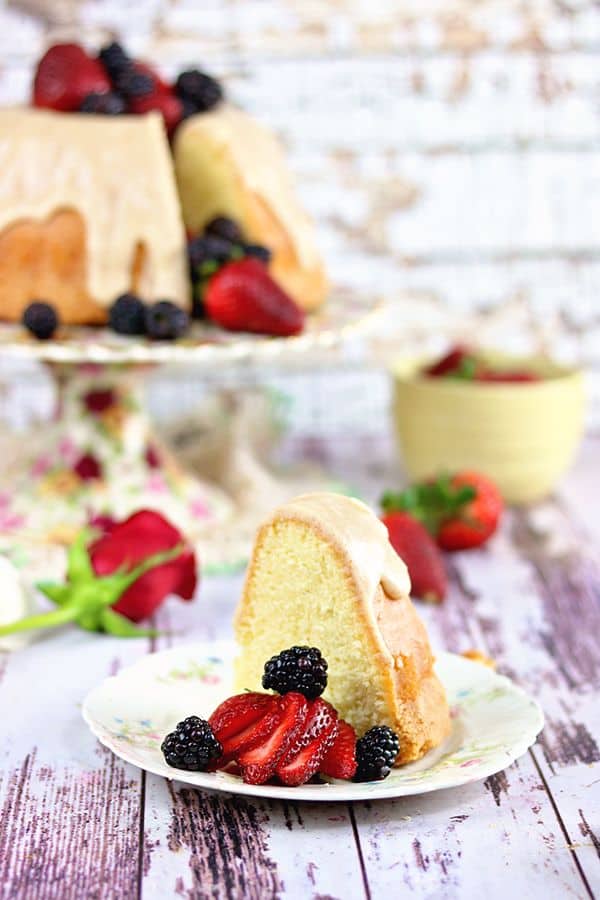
493, 723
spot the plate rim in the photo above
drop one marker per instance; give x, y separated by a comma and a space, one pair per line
318, 793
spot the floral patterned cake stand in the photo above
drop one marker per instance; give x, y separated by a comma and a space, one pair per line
102, 457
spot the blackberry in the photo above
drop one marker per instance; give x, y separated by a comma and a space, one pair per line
225, 228
187, 108
165, 321
127, 315
108, 104
41, 319
133, 84
375, 753
114, 59
210, 250
301, 669
192, 746
258, 252
199, 88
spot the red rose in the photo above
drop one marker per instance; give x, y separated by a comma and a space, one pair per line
128, 543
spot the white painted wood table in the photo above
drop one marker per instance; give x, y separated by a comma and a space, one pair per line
78, 823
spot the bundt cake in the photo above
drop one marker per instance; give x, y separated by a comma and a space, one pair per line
323, 573
88, 211
228, 164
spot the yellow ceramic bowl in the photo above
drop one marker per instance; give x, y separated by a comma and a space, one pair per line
523, 435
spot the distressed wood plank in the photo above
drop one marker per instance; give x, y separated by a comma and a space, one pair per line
69, 809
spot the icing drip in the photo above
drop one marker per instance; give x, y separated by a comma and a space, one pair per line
363, 537
117, 174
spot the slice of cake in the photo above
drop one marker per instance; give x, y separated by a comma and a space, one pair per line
88, 211
323, 573
228, 164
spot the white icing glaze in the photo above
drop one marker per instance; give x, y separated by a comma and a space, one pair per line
361, 534
117, 173
259, 162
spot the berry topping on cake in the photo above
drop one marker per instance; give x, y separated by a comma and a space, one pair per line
413, 543
376, 752
165, 321
132, 83
225, 228
304, 757
167, 104
109, 104
242, 296
258, 252
65, 75
206, 254
191, 746
40, 319
258, 763
340, 759
301, 669
198, 88
127, 315
115, 59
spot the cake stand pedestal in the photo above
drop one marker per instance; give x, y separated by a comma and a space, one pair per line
101, 456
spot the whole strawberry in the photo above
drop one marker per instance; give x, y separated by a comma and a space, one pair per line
242, 296
459, 511
413, 543
476, 519
65, 75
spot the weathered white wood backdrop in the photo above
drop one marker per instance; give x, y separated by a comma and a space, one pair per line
449, 147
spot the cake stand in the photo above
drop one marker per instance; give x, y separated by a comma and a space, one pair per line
101, 456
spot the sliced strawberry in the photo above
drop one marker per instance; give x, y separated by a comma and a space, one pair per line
242, 296
304, 757
340, 759
259, 762
243, 736
65, 75
239, 711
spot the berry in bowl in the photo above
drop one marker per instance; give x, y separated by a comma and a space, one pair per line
518, 420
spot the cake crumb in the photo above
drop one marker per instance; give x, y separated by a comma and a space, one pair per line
479, 657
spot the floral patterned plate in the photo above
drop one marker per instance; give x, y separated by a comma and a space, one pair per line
493, 723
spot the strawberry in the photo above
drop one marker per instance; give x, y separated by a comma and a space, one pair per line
242, 296
509, 377
168, 105
305, 754
258, 762
460, 512
235, 713
243, 721
65, 75
413, 543
457, 361
340, 759
477, 519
